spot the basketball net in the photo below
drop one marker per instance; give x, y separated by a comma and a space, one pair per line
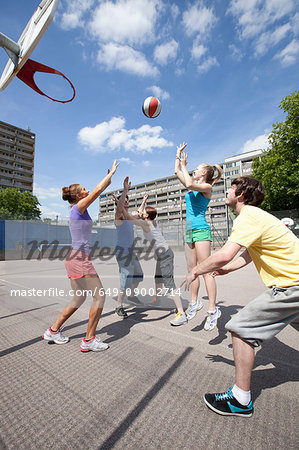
26, 74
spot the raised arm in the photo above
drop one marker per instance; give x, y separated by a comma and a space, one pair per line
142, 206
134, 219
84, 203
189, 183
177, 165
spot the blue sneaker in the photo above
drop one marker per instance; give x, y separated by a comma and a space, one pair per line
193, 308
227, 405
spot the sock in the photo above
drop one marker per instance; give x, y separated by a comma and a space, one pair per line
53, 330
211, 312
243, 397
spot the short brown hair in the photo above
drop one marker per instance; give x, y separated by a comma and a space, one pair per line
252, 190
151, 212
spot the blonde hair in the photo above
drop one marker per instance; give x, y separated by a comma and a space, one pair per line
213, 173
69, 194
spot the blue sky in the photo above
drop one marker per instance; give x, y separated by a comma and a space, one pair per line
220, 69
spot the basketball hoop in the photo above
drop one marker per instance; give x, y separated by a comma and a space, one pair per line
19, 63
26, 74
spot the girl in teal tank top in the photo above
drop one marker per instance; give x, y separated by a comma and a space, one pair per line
198, 233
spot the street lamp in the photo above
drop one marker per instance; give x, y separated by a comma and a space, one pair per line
225, 178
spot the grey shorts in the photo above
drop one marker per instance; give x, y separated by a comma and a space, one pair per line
267, 315
130, 270
164, 270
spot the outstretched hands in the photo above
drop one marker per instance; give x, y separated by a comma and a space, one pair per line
180, 148
127, 184
114, 198
114, 167
184, 158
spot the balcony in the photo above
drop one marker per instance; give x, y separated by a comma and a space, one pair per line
6, 183
6, 158
24, 179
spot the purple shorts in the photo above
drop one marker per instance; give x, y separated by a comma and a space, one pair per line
78, 264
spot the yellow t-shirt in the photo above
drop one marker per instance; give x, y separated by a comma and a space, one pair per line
273, 248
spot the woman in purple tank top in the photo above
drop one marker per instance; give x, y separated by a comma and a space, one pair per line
80, 270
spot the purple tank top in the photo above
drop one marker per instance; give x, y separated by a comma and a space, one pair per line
80, 228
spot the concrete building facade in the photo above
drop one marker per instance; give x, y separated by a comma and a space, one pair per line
17, 148
167, 195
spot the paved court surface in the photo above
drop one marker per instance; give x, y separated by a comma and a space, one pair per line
145, 391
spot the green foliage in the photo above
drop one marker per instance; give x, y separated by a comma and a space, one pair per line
15, 205
278, 168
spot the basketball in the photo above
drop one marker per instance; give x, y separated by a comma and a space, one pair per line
151, 107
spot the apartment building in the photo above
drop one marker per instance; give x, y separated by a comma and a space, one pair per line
17, 148
167, 195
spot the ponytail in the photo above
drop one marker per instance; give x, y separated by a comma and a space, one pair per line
213, 173
69, 194
217, 173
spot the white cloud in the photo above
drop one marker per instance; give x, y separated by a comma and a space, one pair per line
158, 92
198, 50
288, 55
166, 52
112, 135
271, 38
58, 205
125, 58
49, 212
127, 161
236, 53
207, 64
174, 11
199, 19
125, 21
199, 53
146, 163
266, 23
254, 16
73, 16
259, 142
44, 193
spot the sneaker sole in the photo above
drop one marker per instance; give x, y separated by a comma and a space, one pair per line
224, 413
85, 350
178, 324
53, 341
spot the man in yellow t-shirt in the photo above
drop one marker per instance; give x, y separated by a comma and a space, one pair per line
274, 249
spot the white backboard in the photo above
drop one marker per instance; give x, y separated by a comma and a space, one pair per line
29, 39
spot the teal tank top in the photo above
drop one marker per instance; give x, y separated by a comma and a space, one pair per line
196, 206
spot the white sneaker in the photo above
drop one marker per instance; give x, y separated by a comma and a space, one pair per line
180, 319
212, 318
193, 308
57, 337
95, 345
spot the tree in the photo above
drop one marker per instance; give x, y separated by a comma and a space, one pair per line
278, 168
18, 206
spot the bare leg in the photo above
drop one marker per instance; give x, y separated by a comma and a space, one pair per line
190, 255
178, 303
203, 251
244, 360
78, 286
94, 284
